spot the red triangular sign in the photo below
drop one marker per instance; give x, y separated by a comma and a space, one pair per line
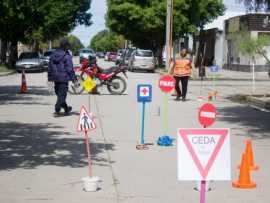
85, 121
201, 137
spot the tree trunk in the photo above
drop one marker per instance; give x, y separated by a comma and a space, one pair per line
3, 52
158, 54
13, 56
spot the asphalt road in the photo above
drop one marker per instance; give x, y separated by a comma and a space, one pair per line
42, 158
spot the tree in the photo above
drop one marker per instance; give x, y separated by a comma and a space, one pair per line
144, 22
31, 21
75, 44
107, 41
251, 47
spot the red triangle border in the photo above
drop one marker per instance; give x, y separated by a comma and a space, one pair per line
184, 133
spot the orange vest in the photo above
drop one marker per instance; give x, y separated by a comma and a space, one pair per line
182, 67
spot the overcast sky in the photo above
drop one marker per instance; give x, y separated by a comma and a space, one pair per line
99, 8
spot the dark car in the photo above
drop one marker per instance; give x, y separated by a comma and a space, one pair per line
121, 56
128, 55
100, 54
46, 57
30, 62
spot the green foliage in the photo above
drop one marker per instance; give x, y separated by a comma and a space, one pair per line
75, 43
249, 46
144, 22
107, 41
32, 20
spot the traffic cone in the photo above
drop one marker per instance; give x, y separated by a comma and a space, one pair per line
250, 157
215, 94
23, 85
244, 181
200, 98
210, 96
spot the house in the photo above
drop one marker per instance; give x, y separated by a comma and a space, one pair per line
255, 24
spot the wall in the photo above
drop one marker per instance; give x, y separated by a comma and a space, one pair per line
254, 23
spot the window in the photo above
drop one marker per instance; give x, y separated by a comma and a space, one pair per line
144, 53
29, 55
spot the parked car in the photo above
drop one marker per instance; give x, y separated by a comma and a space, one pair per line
111, 56
30, 62
142, 59
121, 56
100, 54
46, 57
127, 55
86, 54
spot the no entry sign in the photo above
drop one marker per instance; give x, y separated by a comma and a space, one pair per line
204, 154
207, 115
166, 83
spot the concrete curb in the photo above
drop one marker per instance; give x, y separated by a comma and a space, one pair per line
220, 78
259, 102
7, 73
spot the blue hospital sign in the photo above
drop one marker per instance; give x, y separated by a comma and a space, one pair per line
144, 93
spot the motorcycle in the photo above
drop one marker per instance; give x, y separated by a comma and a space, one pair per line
116, 84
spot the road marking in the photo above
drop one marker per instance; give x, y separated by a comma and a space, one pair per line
208, 114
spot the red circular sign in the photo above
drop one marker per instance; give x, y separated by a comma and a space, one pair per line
207, 114
166, 83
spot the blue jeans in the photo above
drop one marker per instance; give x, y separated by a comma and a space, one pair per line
61, 89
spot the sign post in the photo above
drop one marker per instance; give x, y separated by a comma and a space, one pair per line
89, 84
144, 95
204, 155
166, 84
85, 124
206, 117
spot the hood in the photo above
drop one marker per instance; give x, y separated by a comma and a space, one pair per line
58, 55
28, 61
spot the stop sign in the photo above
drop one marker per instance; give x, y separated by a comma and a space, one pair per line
207, 114
166, 83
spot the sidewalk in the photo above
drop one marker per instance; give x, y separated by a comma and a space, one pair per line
227, 75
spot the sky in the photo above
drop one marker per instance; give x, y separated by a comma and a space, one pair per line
99, 8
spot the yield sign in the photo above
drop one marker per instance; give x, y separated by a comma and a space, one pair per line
86, 121
204, 154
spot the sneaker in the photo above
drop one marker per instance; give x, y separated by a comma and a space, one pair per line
68, 110
184, 99
177, 99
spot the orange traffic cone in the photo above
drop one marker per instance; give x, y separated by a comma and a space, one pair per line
244, 176
210, 96
215, 94
250, 158
23, 85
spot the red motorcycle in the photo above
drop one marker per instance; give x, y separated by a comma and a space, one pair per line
109, 77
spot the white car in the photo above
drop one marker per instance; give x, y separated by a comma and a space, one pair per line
142, 60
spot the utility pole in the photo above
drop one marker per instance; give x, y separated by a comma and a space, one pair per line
169, 32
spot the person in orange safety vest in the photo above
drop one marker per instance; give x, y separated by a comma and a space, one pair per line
181, 70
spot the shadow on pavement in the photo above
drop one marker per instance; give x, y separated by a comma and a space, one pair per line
28, 146
11, 95
256, 122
